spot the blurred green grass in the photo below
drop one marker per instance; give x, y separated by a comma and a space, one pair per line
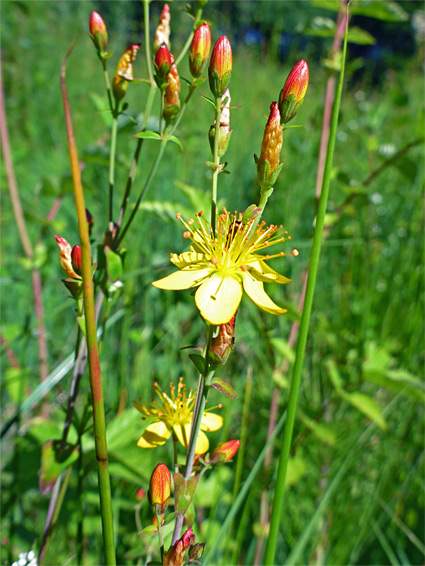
367, 316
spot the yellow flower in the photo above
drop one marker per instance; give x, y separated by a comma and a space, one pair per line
174, 413
226, 265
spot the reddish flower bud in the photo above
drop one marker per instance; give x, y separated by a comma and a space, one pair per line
124, 73
222, 344
199, 49
76, 258
98, 32
220, 69
172, 95
65, 251
163, 61
162, 32
224, 452
176, 553
292, 95
268, 166
140, 495
90, 220
160, 488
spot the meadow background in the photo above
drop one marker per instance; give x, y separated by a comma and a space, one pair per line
356, 479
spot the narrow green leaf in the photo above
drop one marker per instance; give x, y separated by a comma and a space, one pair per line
148, 135
176, 140
113, 264
334, 375
366, 405
53, 462
224, 387
149, 531
169, 518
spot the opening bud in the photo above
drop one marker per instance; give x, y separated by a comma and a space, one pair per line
176, 553
65, 252
124, 73
140, 495
268, 166
292, 95
162, 32
224, 452
220, 69
98, 32
199, 49
160, 488
172, 94
224, 131
196, 551
222, 345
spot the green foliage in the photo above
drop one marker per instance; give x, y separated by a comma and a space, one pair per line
355, 482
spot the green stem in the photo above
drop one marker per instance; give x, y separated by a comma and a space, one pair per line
186, 46
303, 332
160, 536
108, 85
216, 163
142, 193
112, 154
147, 40
91, 335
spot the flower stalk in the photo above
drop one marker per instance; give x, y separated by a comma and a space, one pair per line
270, 552
91, 336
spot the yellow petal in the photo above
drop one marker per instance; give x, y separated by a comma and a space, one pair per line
183, 433
263, 272
151, 413
155, 435
255, 291
211, 421
182, 279
218, 298
202, 443
187, 259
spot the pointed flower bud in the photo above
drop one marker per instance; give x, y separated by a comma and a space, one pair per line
197, 551
124, 72
76, 258
222, 345
220, 69
163, 61
224, 131
199, 49
140, 495
268, 166
172, 95
162, 32
160, 488
65, 251
98, 32
176, 553
292, 95
224, 452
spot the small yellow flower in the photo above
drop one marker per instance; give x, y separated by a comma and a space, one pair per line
226, 265
174, 413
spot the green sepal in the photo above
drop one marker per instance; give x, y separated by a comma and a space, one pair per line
266, 177
208, 100
184, 490
224, 388
199, 362
170, 112
218, 85
198, 81
288, 108
75, 287
250, 213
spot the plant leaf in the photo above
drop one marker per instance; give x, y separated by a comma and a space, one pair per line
224, 387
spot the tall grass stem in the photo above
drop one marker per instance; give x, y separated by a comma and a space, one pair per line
305, 319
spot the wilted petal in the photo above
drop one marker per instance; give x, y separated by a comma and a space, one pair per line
155, 435
211, 421
255, 291
218, 298
182, 279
